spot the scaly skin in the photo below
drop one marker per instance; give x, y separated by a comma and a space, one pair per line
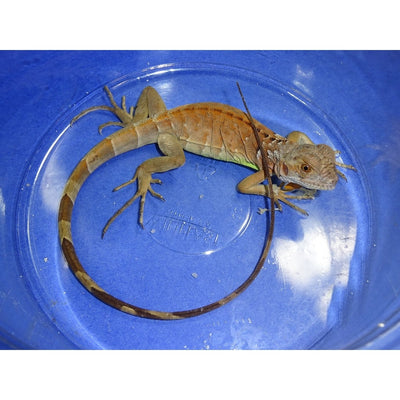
212, 130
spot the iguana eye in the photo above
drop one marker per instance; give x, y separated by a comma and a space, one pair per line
305, 168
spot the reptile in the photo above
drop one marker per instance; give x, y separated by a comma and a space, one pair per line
212, 130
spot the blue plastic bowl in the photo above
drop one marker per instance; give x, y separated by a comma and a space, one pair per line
331, 280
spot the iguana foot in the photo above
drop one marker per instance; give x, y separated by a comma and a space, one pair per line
125, 117
281, 194
144, 185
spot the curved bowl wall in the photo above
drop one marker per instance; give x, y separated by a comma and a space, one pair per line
331, 279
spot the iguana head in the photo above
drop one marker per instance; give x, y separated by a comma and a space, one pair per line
308, 165
300, 161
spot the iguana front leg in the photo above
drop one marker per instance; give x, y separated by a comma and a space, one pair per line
150, 104
253, 185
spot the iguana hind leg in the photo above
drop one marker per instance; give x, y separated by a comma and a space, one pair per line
149, 105
174, 158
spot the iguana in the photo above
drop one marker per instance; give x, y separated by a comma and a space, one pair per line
211, 130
